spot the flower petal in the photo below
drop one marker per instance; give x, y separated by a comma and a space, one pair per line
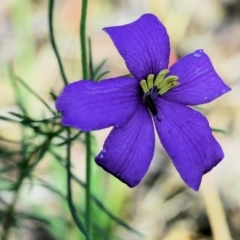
187, 138
128, 150
89, 105
199, 83
144, 45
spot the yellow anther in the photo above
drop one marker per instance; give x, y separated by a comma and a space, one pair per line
150, 81
144, 86
167, 87
160, 77
161, 84
167, 80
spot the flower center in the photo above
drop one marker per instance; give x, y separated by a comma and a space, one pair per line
154, 86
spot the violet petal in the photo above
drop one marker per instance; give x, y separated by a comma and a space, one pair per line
144, 45
199, 83
187, 138
88, 105
128, 150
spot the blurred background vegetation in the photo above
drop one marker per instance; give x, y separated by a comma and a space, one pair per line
32, 196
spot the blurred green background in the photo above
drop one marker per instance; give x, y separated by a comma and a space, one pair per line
161, 207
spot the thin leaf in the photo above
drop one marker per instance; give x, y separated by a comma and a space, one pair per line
98, 68
113, 217
35, 94
17, 115
17, 92
70, 139
9, 154
104, 233
53, 95
219, 130
39, 153
101, 75
7, 169
128, 75
51, 188
31, 217
198, 108
8, 119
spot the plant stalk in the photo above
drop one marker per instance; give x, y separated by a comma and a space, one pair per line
52, 39
83, 39
69, 191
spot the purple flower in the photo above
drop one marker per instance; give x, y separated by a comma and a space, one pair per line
153, 96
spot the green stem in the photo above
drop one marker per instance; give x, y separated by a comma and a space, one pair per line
50, 22
88, 182
88, 136
83, 39
69, 191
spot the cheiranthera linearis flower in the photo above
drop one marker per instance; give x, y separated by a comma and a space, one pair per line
154, 96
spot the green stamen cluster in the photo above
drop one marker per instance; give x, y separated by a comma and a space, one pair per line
160, 82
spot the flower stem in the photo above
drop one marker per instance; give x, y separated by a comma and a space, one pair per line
50, 22
88, 183
83, 39
88, 135
69, 191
